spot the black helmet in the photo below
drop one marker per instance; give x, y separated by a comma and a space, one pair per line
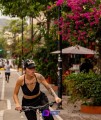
29, 64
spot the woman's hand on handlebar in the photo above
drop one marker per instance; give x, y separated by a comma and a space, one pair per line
18, 108
58, 100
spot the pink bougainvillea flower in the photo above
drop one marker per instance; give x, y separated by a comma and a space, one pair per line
80, 22
59, 2
48, 7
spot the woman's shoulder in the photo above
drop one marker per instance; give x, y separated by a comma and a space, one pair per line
20, 79
39, 76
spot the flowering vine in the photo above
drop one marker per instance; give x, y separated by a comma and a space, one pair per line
80, 21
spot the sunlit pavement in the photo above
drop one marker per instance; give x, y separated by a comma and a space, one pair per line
7, 107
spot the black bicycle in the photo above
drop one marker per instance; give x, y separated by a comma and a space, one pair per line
39, 110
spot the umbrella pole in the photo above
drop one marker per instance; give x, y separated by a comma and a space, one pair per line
59, 60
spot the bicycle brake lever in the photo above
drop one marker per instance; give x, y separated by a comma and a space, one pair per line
52, 104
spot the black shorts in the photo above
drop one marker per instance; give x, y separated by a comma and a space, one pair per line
7, 74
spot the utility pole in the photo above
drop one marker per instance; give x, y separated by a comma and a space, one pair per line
59, 58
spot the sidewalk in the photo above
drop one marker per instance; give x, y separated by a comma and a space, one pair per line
71, 111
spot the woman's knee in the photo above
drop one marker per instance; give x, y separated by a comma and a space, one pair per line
31, 115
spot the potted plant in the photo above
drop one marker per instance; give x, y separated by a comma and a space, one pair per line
85, 87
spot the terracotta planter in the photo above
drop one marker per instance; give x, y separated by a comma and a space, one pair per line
91, 109
49, 80
55, 88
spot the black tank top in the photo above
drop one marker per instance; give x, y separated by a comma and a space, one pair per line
27, 92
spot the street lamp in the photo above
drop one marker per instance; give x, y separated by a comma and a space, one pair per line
59, 59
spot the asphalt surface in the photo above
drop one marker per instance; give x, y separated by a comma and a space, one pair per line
70, 111
7, 107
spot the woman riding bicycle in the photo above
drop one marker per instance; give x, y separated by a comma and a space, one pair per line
32, 95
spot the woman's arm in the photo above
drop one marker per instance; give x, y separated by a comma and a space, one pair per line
15, 95
49, 88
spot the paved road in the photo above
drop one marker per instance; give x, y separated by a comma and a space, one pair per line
7, 111
7, 107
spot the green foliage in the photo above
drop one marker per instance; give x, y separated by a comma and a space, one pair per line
3, 46
23, 8
14, 27
46, 64
84, 86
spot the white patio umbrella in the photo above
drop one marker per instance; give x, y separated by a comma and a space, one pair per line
77, 49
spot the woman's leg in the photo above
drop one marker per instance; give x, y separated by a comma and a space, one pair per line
5, 76
31, 115
8, 76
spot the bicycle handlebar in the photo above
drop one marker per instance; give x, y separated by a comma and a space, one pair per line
28, 108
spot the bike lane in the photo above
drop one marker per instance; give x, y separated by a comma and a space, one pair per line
2, 90
9, 112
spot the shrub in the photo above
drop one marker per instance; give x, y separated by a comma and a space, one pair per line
84, 86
